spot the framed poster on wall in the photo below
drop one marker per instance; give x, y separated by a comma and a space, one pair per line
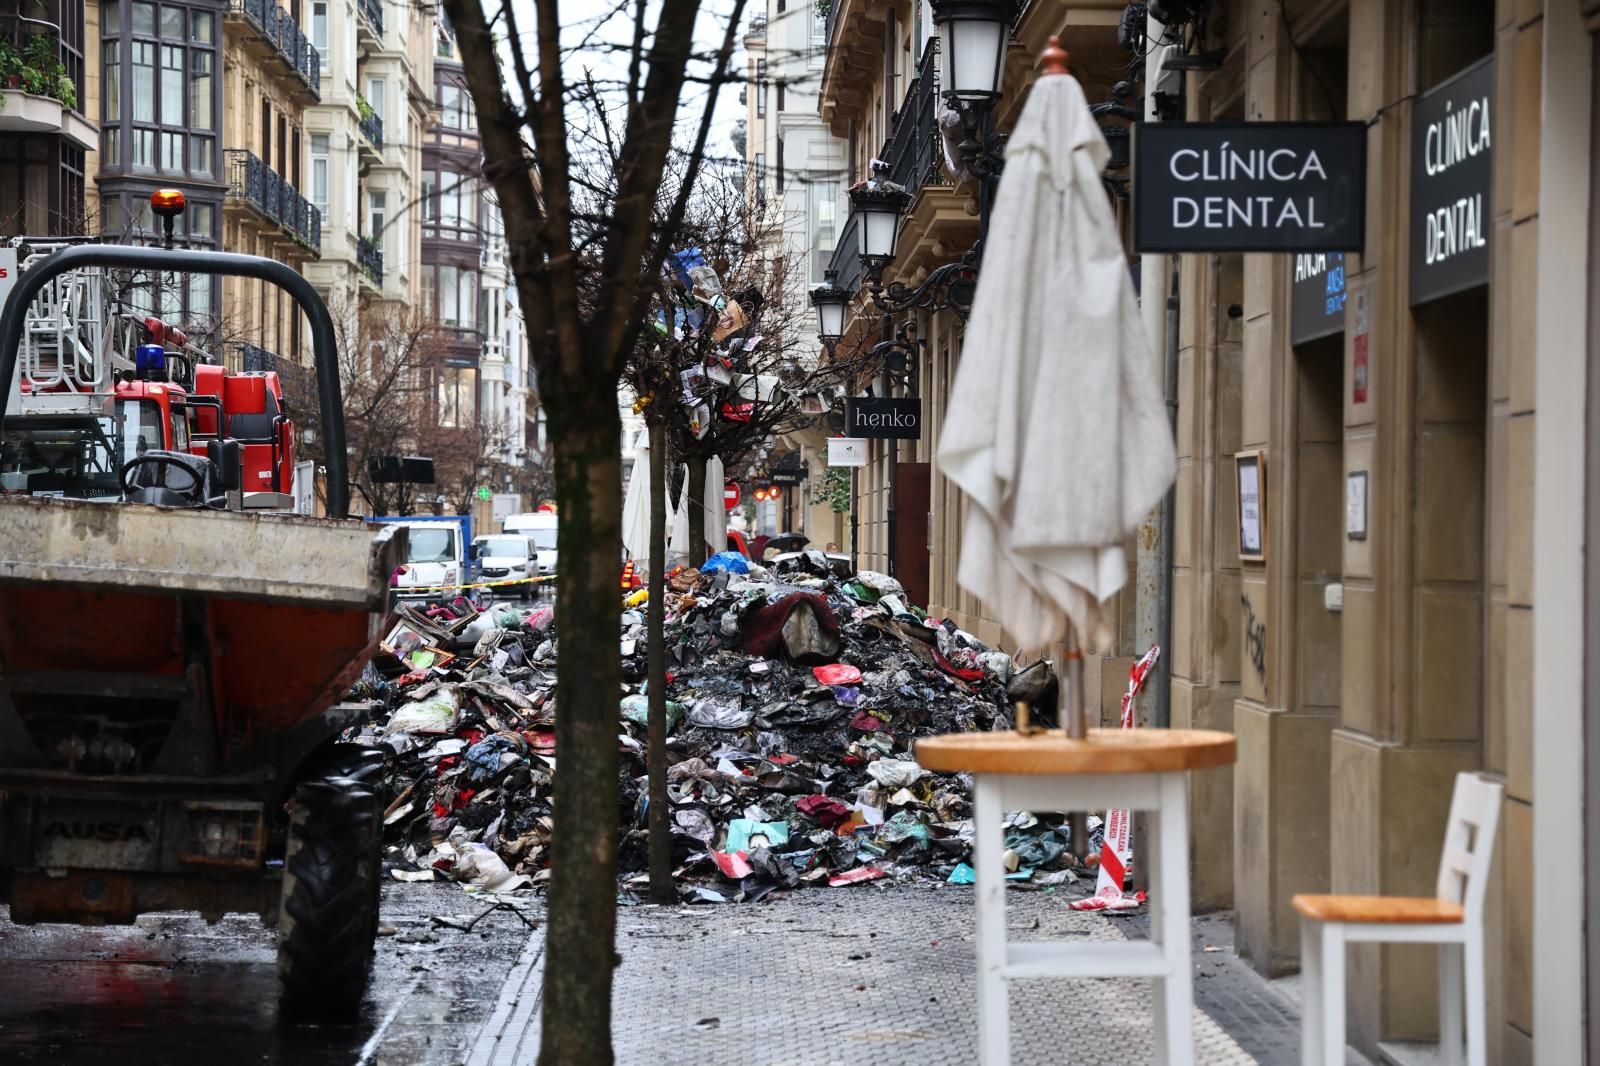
1250, 480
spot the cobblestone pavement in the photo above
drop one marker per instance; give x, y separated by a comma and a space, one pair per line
885, 975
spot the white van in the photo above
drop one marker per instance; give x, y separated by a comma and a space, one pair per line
541, 529
506, 557
436, 559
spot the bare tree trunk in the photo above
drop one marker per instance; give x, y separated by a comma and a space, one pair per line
661, 890
699, 551
581, 934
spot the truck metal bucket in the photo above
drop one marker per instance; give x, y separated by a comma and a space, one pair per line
138, 640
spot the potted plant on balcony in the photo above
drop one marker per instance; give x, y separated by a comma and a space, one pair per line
10, 64
41, 66
364, 109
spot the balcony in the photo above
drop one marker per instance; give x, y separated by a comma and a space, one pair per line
254, 359
369, 24
758, 28
913, 150
272, 201
370, 258
846, 261
276, 38
371, 126
47, 82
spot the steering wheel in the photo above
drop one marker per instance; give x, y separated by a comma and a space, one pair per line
163, 461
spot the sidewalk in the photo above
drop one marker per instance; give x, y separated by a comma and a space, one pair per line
885, 976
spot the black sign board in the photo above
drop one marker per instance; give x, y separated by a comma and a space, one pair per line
1249, 186
400, 470
1316, 296
1451, 165
868, 416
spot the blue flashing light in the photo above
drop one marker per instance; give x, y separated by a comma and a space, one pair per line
150, 357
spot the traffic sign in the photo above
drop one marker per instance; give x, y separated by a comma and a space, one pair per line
731, 495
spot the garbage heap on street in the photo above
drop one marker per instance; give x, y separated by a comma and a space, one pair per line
794, 698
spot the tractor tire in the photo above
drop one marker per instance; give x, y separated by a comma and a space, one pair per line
328, 922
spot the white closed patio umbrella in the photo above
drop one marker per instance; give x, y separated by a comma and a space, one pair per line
636, 503
1057, 429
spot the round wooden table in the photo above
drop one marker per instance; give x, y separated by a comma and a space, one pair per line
1132, 769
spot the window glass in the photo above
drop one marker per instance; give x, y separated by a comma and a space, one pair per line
202, 29
200, 154
111, 19
824, 226
427, 545
144, 148
171, 151
141, 427
200, 67
111, 57
144, 80
449, 295
172, 85
144, 19
203, 220
172, 23
319, 27
319, 171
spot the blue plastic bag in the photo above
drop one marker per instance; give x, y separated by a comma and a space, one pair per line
730, 561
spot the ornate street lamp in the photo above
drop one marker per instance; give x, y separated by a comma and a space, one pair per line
830, 301
880, 205
972, 46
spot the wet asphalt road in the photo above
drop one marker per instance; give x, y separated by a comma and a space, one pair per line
172, 990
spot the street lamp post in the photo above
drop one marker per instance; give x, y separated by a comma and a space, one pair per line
830, 301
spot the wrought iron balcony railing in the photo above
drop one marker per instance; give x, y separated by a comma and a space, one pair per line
370, 258
283, 33
372, 11
914, 145
372, 130
251, 181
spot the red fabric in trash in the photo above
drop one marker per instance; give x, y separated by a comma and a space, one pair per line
828, 811
955, 671
859, 874
837, 674
763, 627
866, 723
733, 866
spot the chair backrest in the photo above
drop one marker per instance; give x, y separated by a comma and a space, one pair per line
1469, 843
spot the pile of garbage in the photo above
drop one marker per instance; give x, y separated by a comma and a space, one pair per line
794, 697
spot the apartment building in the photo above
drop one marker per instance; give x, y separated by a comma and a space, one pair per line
1416, 605
48, 123
796, 172
364, 146
271, 73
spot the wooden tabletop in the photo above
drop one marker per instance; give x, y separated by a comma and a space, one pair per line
1106, 751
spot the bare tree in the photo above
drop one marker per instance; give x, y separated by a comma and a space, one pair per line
585, 256
386, 351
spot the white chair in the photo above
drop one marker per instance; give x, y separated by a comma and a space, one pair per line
1453, 920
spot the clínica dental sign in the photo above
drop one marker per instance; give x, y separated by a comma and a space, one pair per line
1452, 161
1249, 186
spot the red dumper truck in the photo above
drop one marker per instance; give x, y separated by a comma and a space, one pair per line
174, 654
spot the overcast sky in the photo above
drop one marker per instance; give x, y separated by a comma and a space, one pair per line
609, 34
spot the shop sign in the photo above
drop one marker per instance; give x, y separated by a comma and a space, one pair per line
1316, 296
847, 451
1249, 186
883, 418
1451, 164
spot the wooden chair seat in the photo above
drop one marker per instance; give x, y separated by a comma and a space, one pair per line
1379, 910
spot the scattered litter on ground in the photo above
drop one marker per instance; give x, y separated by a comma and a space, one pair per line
795, 696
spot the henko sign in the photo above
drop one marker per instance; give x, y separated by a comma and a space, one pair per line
867, 416
1451, 164
1249, 186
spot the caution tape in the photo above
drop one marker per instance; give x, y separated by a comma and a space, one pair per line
475, 585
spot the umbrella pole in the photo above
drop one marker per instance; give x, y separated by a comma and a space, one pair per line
1074, 720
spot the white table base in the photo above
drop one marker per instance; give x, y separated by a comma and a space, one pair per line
1165, 957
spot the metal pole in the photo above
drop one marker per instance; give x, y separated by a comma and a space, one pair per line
1153, 563
1162, 718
